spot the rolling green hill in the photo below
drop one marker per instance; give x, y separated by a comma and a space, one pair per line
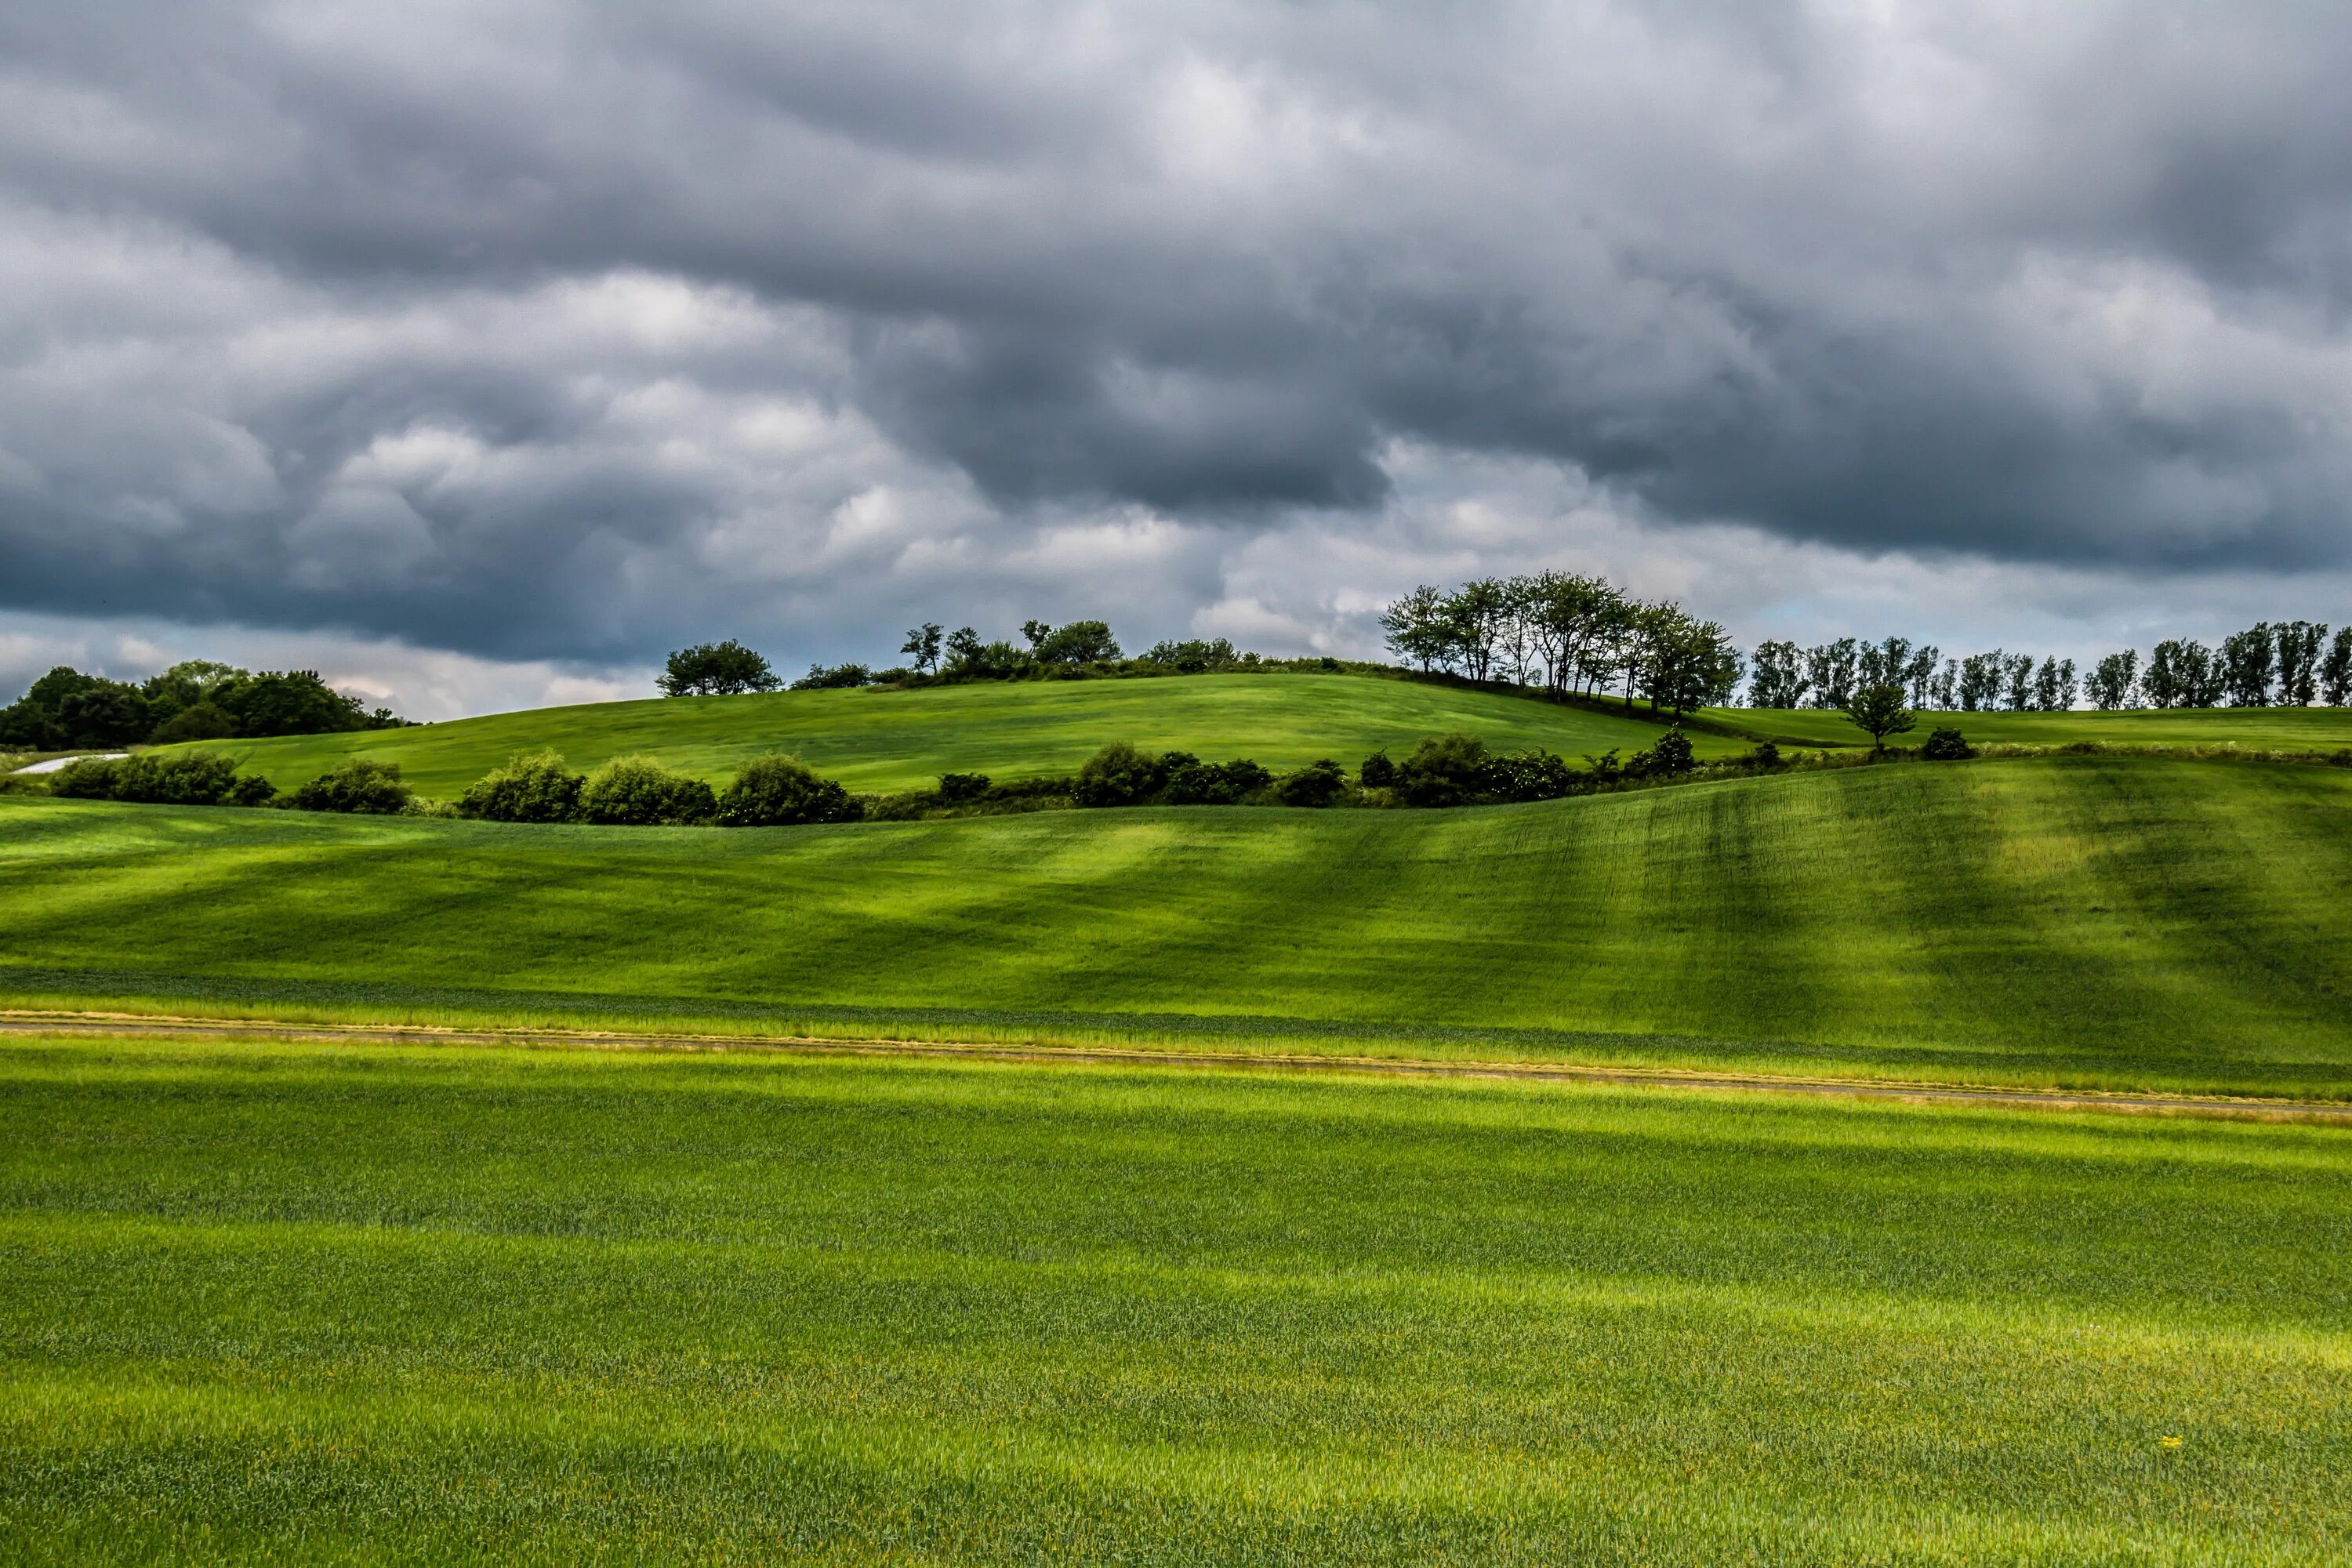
2070, 921
882, 741
280, 1303
2256, 729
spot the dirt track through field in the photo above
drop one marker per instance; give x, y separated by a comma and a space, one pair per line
148, 1027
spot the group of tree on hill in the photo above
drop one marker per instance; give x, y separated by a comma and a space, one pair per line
938, 657
1567, 634
194, 701
2289, 664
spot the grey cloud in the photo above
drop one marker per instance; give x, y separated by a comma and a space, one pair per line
560, 329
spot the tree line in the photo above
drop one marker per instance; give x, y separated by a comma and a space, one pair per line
1567, 634
197, 700
2286, 664
934, 656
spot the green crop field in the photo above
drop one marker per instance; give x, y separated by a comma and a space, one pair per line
2256, 729
277, 1303
880, 740
2125, 922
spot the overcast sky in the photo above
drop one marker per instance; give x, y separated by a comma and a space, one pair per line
479, 353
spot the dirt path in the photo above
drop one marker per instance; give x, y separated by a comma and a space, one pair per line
148, 1027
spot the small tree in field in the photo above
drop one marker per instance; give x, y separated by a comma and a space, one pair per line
717, 669
1880, 709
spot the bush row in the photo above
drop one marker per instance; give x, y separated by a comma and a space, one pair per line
781, 791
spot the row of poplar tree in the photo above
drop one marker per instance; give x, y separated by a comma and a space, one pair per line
1570, 633
2287, 664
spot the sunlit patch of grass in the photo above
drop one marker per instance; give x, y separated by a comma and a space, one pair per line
273, 1302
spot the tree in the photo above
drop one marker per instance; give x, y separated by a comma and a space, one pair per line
1477, 617
2017, 681
2298, 661
1946, 744
1778, 675
2247, 660
1980, 676
1831, 670
1080, 642
2054, 686
1879, 709
2336, 673
922, 645
1919, 674
1686, 663
2115, 683
1416, 627
717, 669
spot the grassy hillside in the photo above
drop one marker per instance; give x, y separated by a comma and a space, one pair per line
2066, 921
2259, 729
882, 741
310, 1304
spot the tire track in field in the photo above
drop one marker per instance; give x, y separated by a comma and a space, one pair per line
150, 1026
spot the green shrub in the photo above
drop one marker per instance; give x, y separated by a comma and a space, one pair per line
957, 788
1378, 772
85, 778
1766, 756
251, 790
639, 791
533, 787
1318, 783
1528, 776
1215, 783
1119, 774
1668, 758
1946, 744
1443, 769
175, 778
360, 786
779, 791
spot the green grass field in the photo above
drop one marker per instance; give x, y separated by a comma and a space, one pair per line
2118, 923
273, 1304
2256, 729
882, 741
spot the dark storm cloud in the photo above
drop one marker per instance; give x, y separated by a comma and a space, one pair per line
560, 328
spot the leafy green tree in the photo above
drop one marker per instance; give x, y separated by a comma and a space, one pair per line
2115, 683
2299, 644
1079, 642
1193, 656
108, 713
534, 787
777, 790
1417, 629
1879, 710
1830, 671
200, 721
2248, 659
2335, 672
1778, 675
638, 791
1378, 771
820, 677
359, 785
922, 646
717, 669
